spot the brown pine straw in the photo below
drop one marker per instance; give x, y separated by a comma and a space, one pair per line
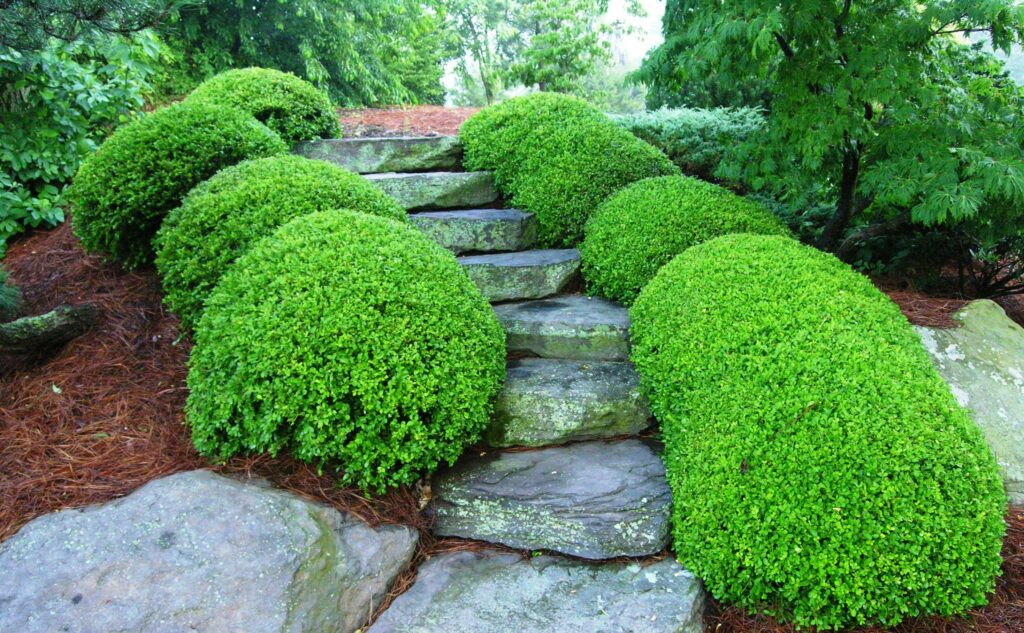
105, 415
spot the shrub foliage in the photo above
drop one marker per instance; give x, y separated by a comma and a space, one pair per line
290, 106
559, 158
642, 227
122, 192
346, 338
10, 297
821, 470
222, 217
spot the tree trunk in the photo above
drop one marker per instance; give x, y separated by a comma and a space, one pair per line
46, 332
844, 210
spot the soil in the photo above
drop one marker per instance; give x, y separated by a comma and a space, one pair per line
403, 121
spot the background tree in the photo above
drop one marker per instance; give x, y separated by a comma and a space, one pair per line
28, 25
482, 27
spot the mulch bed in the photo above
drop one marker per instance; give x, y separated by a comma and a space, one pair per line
104, 416
403, 121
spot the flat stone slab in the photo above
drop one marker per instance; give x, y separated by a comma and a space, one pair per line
479, 230
198, 552
552, 401
380, 155
502, 593
593, 500
573, 326
439, 189
523, 275
983, 362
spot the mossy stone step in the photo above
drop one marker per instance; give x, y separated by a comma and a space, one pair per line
595, 500
523, 275
479, 230
572, 326
552, 401
380, 155
439, 189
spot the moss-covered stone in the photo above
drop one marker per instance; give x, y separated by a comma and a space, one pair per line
573, 327
381, 155
479, 230
524, 275
439, 190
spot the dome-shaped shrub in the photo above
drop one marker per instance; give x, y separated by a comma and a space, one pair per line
642, 227
222, 217
820, 468
292, 107
346, 338
558, 158
122, 192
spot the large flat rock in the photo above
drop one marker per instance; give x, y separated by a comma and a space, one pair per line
438, 189
572, 326
479, 230
594, 500
552, 401
523, 275
983, 362
198, 552
380, 155
490, 592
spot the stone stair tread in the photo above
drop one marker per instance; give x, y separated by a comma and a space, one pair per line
530, 274
390, 154
594, 500
555, 401
567, 326
478, 230
438, 189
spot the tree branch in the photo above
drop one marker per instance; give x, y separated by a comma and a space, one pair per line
787, 50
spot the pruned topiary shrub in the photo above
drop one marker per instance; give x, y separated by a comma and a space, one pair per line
558, 158
294, 108
642, 227
350, 339
821, 470
123, 191
10, 297
222, 217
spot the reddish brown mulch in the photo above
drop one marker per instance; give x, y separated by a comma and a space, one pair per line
423, 120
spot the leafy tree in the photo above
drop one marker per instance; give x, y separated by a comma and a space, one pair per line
28, 25
482, 26
880, 101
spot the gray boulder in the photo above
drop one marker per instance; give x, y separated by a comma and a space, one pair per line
198, 552
594, 500
503, 593
573, 326
478, 230
439, 189
524, 275
377, 155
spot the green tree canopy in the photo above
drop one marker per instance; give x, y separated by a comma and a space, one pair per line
27, 25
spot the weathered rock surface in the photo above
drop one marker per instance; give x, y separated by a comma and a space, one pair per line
573, 326
983, 362
553, 401
502, 593
438, 189
594, 500
198, 552
479, 230
523, 275
379, 155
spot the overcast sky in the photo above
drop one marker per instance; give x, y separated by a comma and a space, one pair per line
648, 29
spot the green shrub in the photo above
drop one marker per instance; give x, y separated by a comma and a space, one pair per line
821, 470
350, 339
10, 297
222, 217
123, 191
642, 227
290, 106
558, 158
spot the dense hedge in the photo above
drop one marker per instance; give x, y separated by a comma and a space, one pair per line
820, 468
122, 192
559, 158
222, 217
642, 227
346, 338
292, 107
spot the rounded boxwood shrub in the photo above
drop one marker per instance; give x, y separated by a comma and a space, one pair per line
821, 470
292, 107
642, 227
558, 158
349, 339
123, 191
222, 217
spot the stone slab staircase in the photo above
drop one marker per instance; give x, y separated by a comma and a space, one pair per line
589, 489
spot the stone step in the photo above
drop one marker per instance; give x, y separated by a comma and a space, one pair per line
594, 500
523, 275
553, 401
381, 155
572, 326
499, 592
479, 230
439, 189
